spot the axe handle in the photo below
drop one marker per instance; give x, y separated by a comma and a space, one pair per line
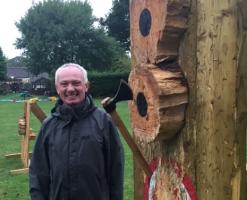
38, 112
136, 152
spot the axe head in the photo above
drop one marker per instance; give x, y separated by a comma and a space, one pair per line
124, 93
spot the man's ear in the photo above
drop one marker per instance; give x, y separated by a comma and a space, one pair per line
87, 86
56, 89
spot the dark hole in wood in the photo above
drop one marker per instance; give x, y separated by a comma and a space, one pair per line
142, 105
145, 22
170, 64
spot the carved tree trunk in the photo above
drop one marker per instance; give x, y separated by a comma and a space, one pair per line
189, 81
221, 100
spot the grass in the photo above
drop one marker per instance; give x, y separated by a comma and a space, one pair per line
16, 187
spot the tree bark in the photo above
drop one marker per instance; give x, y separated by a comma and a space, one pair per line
221, 101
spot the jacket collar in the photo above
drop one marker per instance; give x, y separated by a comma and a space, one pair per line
68, 113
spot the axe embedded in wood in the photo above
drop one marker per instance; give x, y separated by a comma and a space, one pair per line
124, 93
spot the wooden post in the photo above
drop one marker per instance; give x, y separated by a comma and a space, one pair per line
26, 134
221, 100
25, 137
189, 82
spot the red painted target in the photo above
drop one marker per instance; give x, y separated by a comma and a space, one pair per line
169, 178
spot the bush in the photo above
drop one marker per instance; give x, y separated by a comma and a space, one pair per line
105, 84
3, 91
27, 87
102, 84
4, 88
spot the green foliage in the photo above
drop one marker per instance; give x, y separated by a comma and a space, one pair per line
3, 69
27, 87
118, 22
17, 61
16, 187
55, 32
102, 84
3, 91
105, 84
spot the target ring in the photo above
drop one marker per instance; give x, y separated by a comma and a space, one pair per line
178, 186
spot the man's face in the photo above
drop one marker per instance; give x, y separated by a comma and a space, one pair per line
70, 86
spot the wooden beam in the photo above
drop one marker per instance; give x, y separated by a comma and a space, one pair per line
15, 155
19, 171
38, 112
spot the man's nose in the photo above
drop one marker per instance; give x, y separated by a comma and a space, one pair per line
70, 87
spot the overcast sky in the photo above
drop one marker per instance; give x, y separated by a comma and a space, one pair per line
12, 10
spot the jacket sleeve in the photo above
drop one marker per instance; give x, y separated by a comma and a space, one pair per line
39, 179
116, 166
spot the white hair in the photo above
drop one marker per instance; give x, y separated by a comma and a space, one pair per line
84, 71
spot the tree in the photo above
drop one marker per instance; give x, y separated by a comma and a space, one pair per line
56, 31
17, 61
2, 65
118, 23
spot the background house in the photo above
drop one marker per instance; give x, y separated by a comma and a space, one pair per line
20, 74
19, 78
41, 84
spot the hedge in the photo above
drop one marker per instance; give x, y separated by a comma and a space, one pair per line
105, 84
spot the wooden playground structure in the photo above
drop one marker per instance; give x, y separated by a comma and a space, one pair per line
26, 133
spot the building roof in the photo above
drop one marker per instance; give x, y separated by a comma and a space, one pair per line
18, 72
23, 72
43, 75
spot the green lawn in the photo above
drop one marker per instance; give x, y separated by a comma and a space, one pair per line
16, 187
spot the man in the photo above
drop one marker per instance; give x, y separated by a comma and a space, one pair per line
78, 154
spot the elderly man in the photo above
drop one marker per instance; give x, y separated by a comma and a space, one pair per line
78, 154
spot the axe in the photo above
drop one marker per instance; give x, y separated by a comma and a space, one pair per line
124, 93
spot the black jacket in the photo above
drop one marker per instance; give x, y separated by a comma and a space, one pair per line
77, 156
